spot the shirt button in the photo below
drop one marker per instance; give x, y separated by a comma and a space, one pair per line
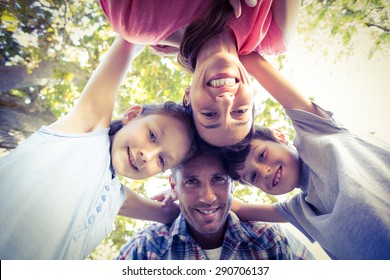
107, 187
91, 219
104, 198
98, 209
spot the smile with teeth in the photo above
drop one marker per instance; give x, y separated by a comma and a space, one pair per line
131, 159
277, 177
216, 83
207, 211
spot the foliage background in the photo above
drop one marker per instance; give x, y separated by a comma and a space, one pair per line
49, 48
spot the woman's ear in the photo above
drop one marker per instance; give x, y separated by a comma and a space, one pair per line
280, 136
186, 97
131, 114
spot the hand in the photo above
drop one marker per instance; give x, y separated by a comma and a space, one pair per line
165, 197
164, 50
236, 4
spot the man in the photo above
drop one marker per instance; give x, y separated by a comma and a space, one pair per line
206, 229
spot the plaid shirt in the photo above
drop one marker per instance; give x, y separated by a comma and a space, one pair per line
243, 241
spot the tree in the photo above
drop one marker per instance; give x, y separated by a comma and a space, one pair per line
49, 48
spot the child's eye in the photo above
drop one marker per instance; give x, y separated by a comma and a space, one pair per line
152, 136
162, 162
253, 177
261, 156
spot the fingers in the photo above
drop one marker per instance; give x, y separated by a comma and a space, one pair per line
251, 3
236, 4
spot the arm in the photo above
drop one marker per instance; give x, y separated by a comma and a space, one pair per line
285, 14
96, 103
279, 87
138, 207
256, 212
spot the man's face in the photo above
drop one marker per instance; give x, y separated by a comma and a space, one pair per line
204, 191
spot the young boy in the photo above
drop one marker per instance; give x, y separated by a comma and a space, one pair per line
344, 203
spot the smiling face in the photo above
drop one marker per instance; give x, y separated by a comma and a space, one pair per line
272, 167
148, 145
204, 191
221, 99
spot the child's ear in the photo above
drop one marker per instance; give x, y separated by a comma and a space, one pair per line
280, 136
186, 97
131, 114
173, 187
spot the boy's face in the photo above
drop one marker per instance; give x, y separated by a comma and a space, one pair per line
272, 167
147, 145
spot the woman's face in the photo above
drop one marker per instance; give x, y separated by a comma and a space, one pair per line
222, 100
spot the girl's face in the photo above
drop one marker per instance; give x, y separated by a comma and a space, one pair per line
221, 99
272, 167
148, 145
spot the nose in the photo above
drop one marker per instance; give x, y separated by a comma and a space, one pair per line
207, 194
145, 156
225, 98
265, 171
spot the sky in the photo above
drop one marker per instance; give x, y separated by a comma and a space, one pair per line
355, 89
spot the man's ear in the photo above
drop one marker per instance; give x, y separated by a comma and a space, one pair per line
186, 97
131, 114
173, 187
280, 136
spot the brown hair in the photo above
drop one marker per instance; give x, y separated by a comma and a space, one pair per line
199, 32
170, 109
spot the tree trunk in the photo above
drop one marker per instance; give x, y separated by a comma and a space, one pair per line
16, 77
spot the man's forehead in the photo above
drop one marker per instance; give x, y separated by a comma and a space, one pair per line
201, 164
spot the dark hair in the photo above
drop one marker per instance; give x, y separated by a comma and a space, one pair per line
235, 155
170, 109
199, 32
203, 149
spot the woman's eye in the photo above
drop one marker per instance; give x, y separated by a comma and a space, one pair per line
209, 115
261, 156
152, 136
240, 111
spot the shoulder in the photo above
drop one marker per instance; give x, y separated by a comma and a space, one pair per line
153, 240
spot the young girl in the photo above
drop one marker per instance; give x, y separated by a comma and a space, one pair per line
211, 39
344, 177
59, 193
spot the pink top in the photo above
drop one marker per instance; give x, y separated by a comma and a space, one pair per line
152, 21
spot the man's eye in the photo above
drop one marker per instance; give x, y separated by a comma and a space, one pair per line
209, 115
152, 136
220, 179
261, 156
191, 182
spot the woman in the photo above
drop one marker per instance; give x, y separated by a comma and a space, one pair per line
211, 39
